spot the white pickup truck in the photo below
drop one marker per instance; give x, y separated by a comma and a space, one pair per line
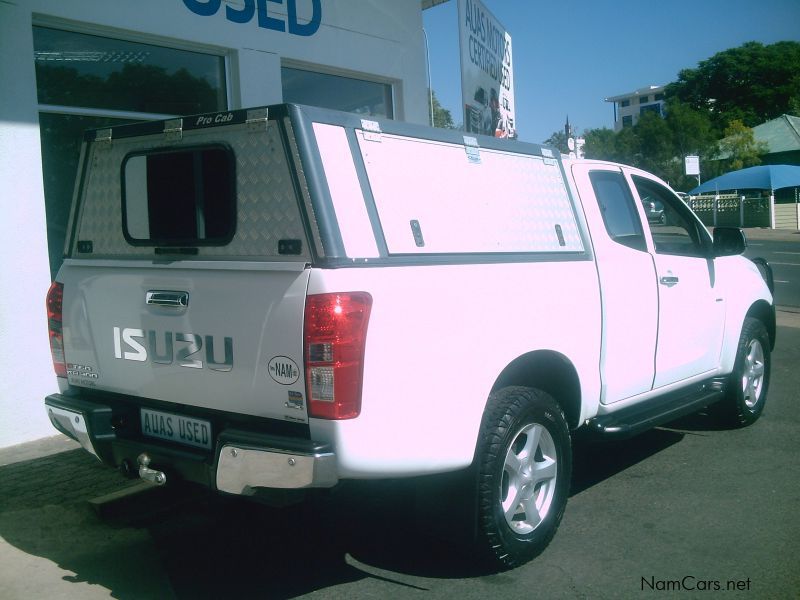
289, 297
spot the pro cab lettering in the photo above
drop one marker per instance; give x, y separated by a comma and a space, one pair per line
208, 8
166, 347
220, 118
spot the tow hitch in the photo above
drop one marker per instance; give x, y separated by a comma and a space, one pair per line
148, 474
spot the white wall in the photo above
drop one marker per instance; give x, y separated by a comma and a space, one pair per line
26, 371
377, 38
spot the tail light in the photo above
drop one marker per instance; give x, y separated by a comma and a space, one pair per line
335, 330
55, 297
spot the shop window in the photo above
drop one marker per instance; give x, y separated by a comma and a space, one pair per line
88, 81
75, 69
337, 92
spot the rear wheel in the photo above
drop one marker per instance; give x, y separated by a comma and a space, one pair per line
748, 384
524, 468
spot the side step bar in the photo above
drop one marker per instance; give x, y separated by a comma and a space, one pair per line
646, 415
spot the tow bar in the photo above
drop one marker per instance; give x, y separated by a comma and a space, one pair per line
148, 474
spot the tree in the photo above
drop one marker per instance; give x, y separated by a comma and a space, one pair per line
600, 144
752, 83
692, 134
725, 96
655, 148
692, 131
441, 116
656, 144
740, 147
558, 140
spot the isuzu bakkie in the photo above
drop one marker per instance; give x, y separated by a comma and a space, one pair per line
286, 298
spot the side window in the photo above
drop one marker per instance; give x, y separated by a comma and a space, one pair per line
674, 229
618, 209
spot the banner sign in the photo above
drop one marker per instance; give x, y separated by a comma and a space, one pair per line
487, 79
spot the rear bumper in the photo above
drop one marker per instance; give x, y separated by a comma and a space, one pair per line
241, 462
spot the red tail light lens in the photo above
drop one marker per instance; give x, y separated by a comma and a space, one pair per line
335, 331
55, 297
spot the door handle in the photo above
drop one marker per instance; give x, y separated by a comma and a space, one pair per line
167, 299
669, 280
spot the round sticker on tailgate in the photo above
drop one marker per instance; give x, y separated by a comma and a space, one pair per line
283, 370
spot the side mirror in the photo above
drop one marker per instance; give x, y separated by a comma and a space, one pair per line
729, 241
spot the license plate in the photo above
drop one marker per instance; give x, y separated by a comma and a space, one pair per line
176, 428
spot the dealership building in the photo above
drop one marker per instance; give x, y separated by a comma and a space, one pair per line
70, 66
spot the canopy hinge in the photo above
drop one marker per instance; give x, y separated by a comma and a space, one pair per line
372, 130
173, 130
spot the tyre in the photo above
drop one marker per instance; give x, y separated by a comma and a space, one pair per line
746, 392
524, 465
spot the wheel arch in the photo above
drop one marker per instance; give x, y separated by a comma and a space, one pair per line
761, 310
551, 372
765, 312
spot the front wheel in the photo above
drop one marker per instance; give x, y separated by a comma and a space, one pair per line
524, 465
747, 387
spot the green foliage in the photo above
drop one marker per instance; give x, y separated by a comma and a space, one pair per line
723, 97
740, 147
558, 140
657, 144
600, 144
441, 116
654, 142
692, 132
752, 84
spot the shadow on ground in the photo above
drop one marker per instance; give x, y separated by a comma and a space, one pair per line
200, 545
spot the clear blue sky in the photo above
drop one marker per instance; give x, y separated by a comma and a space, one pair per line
571, 54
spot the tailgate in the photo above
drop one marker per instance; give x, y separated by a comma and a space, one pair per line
229, 339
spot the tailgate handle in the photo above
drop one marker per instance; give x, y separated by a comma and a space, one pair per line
167, 299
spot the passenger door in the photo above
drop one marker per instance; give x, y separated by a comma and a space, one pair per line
691, 311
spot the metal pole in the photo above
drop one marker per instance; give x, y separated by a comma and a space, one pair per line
772, 209
716, 203
741, 212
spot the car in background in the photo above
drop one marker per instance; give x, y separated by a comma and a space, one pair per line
654, 210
